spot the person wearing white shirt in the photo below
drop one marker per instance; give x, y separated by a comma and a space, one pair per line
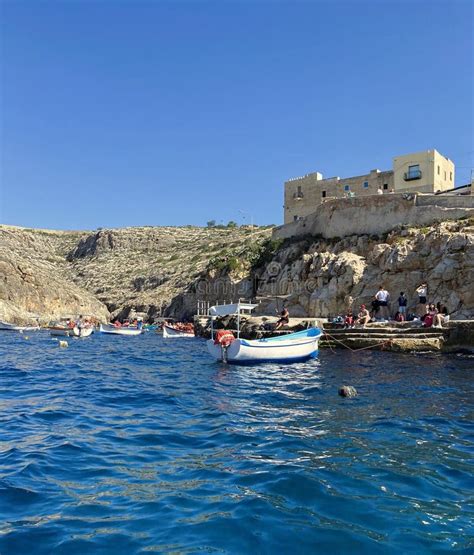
382, 297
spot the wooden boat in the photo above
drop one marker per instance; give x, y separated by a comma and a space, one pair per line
293, 347
60, 331
171, 332
5, 326
111, 329
82, 332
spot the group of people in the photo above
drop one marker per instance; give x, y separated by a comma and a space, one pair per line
79, 322
137, 323
429, 314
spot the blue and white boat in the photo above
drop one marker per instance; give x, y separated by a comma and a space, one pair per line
294, 347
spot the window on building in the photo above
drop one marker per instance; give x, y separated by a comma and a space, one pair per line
347, 188
439, 170
445, 176
299, 190
295, 218
450, 176
323, 194
366, 184
385, 186
413, 172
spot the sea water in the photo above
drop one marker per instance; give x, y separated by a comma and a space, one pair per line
138, 444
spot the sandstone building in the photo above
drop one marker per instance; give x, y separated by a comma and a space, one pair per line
421, 172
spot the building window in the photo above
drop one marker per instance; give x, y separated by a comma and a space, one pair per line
366, 184
445, 176
439, 171
347, 188
385, 186
413, 172
450, 176
295, 218
323, 194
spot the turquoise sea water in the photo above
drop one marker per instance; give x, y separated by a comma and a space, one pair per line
137, 445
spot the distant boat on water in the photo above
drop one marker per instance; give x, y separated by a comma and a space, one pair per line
172, 332
5, 326
115, 330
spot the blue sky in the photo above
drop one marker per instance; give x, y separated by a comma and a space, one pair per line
161, 113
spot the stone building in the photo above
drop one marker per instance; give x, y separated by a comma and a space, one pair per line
421, 172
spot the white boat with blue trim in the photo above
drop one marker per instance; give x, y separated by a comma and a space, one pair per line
293, 347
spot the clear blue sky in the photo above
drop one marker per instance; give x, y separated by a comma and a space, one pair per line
161, 113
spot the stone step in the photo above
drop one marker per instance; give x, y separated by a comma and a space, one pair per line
387, 331
390, 344
342, 336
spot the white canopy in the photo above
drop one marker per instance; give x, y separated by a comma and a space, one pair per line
228, 309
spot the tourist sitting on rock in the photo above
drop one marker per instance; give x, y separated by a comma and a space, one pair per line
284, 319
430, 316
363, 318
442, 316
349, 320
399, 317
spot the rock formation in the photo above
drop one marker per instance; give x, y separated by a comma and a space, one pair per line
157, 271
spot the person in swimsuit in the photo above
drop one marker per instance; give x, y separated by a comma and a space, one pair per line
284, 319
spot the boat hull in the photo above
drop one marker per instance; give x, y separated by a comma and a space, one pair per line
169, 332
296, 347
5, 326
82, 332
112, 330
60, 332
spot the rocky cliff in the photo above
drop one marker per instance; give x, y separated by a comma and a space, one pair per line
321, 277
164, 271
110, 273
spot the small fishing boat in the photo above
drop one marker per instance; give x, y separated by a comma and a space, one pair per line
171, 332
60, 331
111, 329
82, 332
293, 347
6, 326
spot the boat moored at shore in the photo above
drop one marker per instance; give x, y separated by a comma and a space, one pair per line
224, 346
172, 332
115, 330
6, 326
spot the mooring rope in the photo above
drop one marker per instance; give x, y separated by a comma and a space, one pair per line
381, 345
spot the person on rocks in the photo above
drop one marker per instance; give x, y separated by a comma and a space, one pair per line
442, 316
349, 320
402, 303
422, 291
383, 297
284, 319
363, 318
430, 316
399, 317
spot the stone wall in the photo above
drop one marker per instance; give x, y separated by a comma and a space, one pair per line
377, 214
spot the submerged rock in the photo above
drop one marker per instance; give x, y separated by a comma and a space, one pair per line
347, 391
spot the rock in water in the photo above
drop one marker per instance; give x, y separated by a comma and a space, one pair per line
347, 391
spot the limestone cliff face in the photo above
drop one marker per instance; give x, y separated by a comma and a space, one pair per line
109, 273
165, 271
35, 281
325, 277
